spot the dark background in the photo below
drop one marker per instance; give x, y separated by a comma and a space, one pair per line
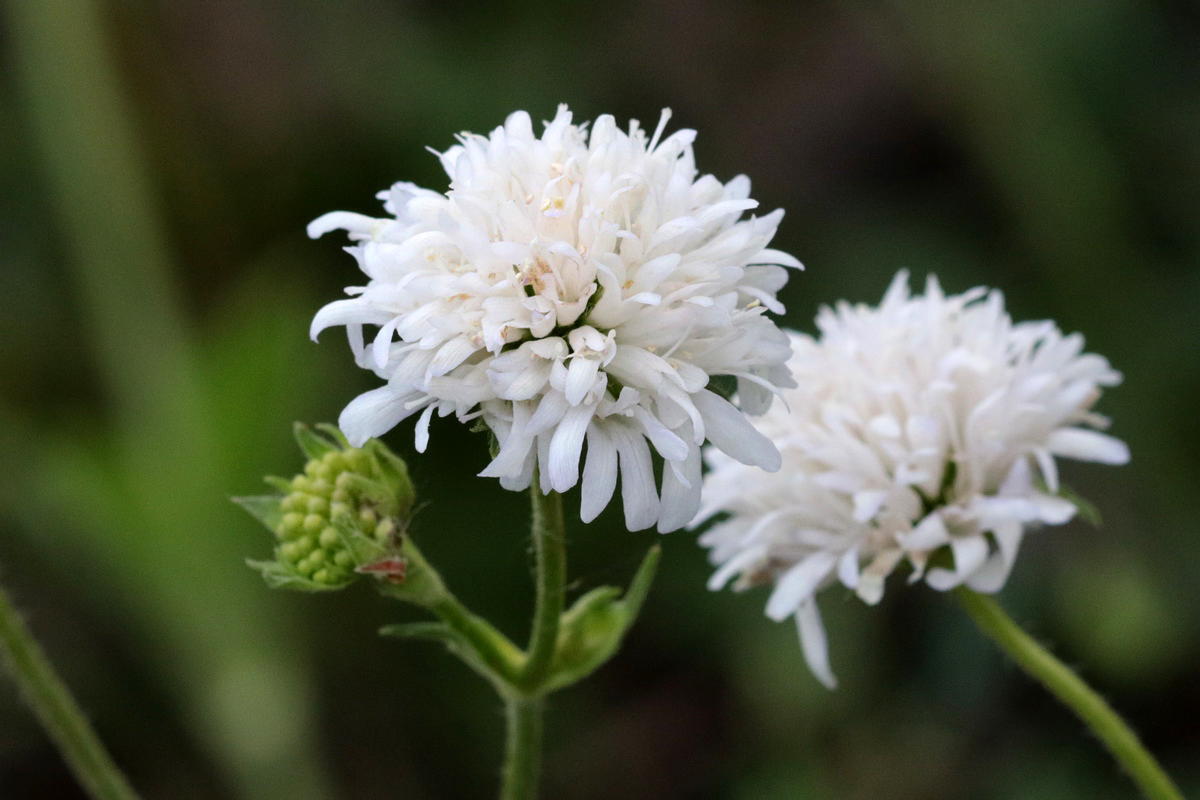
158, 164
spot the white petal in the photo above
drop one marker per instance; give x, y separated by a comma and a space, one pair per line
422, 431
342, 220
730, 431
374, 413
581, 374
599, 473
992, 575
848, 568
741, 560
680, 494
868, 503
798, 584
566, 446
814, 643
346, 312
1087, 445
969, 554
637, 479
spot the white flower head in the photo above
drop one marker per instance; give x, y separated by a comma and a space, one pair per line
929, 425
577, 286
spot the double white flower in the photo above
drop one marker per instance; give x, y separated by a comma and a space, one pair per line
577, 286
925, 426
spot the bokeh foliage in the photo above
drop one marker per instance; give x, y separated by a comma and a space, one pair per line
158, 163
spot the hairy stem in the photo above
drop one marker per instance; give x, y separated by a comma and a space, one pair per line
523, 749
549, 542
57, 710
1068, 687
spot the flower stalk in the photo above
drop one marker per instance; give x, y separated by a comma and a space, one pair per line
1069, 688
550, 547
346, 518
523, 748
57, 710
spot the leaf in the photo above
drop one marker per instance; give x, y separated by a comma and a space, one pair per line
427, 631
264, 508
312, 443
455, 642
591, 631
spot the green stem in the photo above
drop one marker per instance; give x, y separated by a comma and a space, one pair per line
499, 654
549, 542
1036, 660
523, 750
58, 712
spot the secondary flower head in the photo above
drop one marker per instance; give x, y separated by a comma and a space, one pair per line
923, 432
580, 285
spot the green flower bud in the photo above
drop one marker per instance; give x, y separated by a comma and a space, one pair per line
348, 509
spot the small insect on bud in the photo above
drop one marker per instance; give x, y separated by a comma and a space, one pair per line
392, 569
343, 517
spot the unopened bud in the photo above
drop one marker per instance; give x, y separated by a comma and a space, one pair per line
347, 509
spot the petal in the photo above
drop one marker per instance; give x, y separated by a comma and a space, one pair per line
422, 430
581, 374
814, 643
566, 447
970, 552
741, 560
342, 220
599, 473
374, 413
347, 312
1088, 445
798, 584
730, 431
680, 494
637, 478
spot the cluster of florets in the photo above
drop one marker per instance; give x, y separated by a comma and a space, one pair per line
309, 541
581, 286
343, 516
923, 435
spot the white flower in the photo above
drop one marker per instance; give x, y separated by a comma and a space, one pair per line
574, 286
928, 425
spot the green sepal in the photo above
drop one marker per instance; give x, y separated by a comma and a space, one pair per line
276, 482
264, 508
394, 477
1087, 512
314, 445
277, 576
334, 433
591, 631
362, 547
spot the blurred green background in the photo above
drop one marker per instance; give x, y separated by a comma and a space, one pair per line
158, 163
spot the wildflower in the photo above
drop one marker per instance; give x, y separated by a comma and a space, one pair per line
921, 433
577, 286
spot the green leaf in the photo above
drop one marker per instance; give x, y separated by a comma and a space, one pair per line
264, 508
591, 631
427, 631
455, 642
312, 443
